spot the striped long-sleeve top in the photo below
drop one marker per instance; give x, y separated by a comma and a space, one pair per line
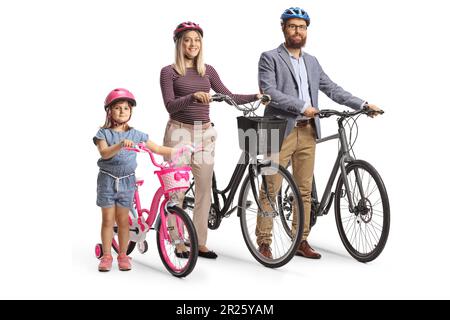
178, 93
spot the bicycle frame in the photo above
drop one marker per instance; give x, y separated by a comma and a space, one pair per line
342, 159
233, 185
154, 210
156, 201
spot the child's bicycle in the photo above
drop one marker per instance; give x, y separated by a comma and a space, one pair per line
173, 226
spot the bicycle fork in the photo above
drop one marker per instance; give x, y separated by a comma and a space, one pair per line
174, 231
346, 158
265, 188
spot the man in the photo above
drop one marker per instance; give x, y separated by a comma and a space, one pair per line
293, 79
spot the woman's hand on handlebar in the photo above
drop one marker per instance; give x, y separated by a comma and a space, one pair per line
202, 97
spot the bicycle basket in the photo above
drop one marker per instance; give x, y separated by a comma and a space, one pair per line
174, 179
261, 135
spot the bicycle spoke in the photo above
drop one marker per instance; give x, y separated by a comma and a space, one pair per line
362, 230
271, 214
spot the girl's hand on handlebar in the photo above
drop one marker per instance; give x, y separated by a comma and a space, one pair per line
125, 143
202, 97
181, 156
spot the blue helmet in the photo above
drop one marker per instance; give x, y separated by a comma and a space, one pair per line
295, 12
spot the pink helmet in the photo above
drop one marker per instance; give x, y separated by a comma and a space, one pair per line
184, 26
119, 94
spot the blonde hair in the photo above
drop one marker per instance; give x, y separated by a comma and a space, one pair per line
109, 122
180, 65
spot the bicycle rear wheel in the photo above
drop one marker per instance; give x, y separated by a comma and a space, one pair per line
283, 239
285, 197
176, 232
363, 232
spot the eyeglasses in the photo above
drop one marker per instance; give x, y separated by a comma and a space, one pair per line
293, 27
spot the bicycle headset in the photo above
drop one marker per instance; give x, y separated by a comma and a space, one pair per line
295, 12
186, 26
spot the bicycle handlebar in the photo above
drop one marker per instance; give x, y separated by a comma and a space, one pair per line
141, 147
219, 97
325, 113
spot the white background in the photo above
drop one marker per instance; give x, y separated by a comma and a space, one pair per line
59, 59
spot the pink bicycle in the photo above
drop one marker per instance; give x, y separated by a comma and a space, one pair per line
173, 226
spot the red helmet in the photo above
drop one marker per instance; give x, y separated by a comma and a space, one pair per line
184, 26
119, 94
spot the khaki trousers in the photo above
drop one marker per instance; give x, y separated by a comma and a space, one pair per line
202, 164
298, 147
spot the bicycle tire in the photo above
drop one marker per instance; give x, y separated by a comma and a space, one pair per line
364, 223
281, 238
166, 249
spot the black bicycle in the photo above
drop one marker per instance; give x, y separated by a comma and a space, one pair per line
258, 136
361, 203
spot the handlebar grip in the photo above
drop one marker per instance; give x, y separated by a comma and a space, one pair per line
218, 97
134, 148
372, 112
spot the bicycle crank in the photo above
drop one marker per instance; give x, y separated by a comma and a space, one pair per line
214, 218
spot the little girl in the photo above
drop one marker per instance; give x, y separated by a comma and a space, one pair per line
116, 180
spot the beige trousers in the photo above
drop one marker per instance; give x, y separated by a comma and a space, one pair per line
299, 147
202, 164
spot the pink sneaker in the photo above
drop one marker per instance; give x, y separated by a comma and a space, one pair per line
124, 262
105, 263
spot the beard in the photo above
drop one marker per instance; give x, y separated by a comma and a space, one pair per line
295, 43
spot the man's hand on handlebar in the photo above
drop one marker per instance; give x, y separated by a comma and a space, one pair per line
375, 110
265, 98
310, 112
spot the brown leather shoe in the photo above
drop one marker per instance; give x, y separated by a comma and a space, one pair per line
265, 250
305, 250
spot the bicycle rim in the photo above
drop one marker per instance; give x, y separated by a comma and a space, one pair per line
177, 234
283, 236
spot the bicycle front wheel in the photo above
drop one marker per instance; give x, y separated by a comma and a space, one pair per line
364, 231
174, 238
270, 240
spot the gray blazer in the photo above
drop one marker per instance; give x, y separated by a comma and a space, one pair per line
277, 78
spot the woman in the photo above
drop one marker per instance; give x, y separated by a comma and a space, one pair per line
185, 87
